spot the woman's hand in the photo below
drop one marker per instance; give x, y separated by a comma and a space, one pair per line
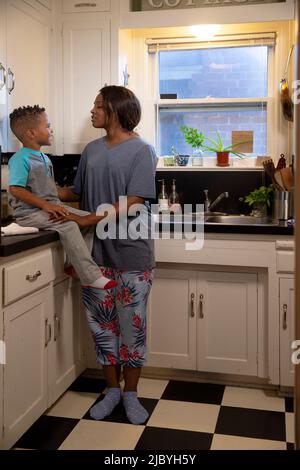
82, 221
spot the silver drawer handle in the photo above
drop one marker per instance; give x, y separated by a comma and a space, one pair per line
201, 314
12, 75
85, 5
48, 332
3, 81
56, 327
284, 316
33, 277
193, 313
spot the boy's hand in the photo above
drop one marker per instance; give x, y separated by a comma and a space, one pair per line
56, 211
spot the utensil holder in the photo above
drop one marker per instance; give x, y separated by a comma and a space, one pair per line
283, 205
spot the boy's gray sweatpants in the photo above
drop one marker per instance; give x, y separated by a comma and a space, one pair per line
77, 243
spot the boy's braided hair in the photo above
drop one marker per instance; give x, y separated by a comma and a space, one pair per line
24, 118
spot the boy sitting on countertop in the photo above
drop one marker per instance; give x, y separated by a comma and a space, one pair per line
34, 197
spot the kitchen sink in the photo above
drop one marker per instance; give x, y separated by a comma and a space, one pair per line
238, 220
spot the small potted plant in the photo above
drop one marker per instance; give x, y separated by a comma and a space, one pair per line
259, 200
222, 151
195, 139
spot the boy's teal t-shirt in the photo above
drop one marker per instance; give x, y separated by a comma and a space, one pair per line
32, 170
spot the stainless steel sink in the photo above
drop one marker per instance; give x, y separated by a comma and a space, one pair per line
238, 220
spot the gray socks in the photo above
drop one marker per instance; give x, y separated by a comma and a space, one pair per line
106, 406
135, 412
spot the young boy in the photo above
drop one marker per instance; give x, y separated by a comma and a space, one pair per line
34, 196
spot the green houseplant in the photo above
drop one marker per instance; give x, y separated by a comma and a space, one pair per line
222, 151
195, 139
259, 200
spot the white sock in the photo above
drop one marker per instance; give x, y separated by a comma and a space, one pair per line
103, 283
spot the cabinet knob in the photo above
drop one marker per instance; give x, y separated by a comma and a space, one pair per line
33, 277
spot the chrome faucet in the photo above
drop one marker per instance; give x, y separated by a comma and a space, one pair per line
208, 206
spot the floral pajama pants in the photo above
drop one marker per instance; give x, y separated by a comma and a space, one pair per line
117, 317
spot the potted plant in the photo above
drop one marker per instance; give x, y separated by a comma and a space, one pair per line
259, 200
222, 151
195, 139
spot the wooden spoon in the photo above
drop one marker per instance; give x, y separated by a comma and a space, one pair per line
278, 179
287, 178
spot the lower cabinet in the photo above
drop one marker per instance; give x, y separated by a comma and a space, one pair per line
43, 354
65, 350
27, 330
287, 330
204, 321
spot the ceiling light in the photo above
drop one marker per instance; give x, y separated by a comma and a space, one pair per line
205, 32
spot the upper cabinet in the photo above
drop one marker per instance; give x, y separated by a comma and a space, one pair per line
86, 68
25, 61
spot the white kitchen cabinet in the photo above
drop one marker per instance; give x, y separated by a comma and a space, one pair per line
65, 362
27, 332
171, 329
227, 323
41, 327
25, 58
206, 321
287, 330
86, 69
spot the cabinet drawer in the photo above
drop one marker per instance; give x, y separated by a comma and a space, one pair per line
26, 276
78, 6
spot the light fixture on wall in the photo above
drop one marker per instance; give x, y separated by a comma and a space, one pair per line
205, 32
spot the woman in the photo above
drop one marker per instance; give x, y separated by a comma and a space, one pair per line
117, 165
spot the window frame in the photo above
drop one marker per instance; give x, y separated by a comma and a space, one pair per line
192, 102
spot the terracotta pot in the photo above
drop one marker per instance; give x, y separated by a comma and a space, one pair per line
222, 158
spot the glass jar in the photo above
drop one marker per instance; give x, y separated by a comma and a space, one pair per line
197, 157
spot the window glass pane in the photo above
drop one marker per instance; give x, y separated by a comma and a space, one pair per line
235, 72
208, 120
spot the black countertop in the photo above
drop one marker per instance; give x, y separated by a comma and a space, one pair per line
11, 245
14, 244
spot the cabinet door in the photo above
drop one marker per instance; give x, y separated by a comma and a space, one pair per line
86, 68
28, 52
64, 357
2, 364
227, 323
172, 320
287, 331
3, 75
27, 328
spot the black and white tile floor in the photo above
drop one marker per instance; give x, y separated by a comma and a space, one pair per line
183, 416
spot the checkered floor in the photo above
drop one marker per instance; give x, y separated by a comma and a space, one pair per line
183, 416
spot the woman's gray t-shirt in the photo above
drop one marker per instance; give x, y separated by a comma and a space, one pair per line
105, 174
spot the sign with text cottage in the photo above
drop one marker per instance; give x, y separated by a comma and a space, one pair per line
148, 5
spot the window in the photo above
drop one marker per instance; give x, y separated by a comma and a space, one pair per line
222, 86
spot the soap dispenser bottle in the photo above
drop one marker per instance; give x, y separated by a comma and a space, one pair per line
163, 202
173, 197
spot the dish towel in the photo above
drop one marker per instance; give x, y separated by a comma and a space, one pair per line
15, 229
